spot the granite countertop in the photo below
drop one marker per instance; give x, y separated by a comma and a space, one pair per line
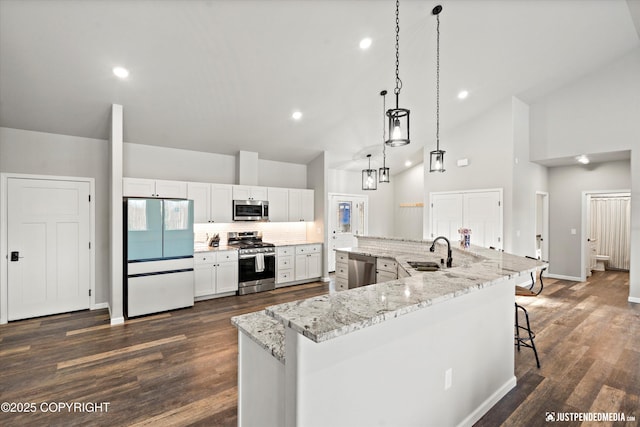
294, 242
329, 316
205, 248
264, 330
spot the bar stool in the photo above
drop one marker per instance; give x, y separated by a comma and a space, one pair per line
528, 339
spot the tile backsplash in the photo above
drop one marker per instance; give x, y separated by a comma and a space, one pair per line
272, 232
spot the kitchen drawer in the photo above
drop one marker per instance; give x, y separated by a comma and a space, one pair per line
285, 250
284, 276
386, 264
385, 276
342, 270
308, 249
341, 284
204, 258
224, 256
342, 257
285, 262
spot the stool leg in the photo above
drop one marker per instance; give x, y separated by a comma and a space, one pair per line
531, 343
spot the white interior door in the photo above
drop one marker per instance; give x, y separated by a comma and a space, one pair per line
446, 215
48, 243
348, 217
482, 213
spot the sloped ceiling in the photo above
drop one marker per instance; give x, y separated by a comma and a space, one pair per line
224, 76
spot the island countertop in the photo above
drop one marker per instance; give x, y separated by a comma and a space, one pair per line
329, 316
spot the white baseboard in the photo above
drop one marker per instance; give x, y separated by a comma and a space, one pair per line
562, 277
634, 300
117, 321
99, 305
484, 407
325, 279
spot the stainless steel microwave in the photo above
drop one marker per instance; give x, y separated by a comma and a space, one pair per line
250, 210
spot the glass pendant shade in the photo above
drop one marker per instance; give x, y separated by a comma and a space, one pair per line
369, 177
398, 127
384, 174
436, 163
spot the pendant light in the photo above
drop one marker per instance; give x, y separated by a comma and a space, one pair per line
369, 177
383, 172
398, 117
436, 162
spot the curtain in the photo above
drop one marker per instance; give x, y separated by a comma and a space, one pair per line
611, 228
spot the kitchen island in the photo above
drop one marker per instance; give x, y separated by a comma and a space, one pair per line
433, 348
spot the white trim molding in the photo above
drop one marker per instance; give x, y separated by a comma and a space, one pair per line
563, 277
634, 300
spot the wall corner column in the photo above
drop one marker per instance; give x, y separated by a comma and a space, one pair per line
634, 268
116, 149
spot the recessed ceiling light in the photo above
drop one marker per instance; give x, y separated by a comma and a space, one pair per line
297, 115
408, 163
463, 94
583, 159
121, 72
365, 43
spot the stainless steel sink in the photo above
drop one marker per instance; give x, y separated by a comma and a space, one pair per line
424, 265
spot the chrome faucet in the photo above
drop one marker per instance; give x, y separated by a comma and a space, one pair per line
433, 249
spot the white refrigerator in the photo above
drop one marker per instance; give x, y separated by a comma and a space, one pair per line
158, 267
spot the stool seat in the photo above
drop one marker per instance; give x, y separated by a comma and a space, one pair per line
524, 292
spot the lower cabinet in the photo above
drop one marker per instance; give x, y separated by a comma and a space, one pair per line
386, 270
308, 262
298, 263
342, 271
215, 273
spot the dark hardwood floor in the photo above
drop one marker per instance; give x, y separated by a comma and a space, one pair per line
180, 368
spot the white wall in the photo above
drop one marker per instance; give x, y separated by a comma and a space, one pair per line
381, 202
317, 231
408, 187
566, 184
282, 174
527, 179
41, 153
147, 161
487, 142
598, 113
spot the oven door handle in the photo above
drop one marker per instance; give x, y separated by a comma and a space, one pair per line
254, 255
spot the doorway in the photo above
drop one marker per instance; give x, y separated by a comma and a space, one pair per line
542, 225
348, 218
47, 253
606, 230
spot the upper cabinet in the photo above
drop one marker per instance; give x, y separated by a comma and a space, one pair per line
214, 202
278, 204
301, 205
140, 187
246, 192
211, 202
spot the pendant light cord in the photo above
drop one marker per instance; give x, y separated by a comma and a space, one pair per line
438, 83
398, 81
384, 145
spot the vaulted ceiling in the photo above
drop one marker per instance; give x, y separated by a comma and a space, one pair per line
223, 76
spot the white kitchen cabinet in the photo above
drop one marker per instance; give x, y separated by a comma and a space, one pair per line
342, 271
141, 187
301, 205
285, 264
246, 192
308, 262
211, 202
278, 204
215, 273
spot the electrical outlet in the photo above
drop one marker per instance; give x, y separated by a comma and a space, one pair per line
448, 374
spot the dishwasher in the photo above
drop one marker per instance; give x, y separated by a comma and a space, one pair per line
362, 270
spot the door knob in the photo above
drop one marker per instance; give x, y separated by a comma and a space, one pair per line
15, 256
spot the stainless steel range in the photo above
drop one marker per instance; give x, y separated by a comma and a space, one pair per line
256, 263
